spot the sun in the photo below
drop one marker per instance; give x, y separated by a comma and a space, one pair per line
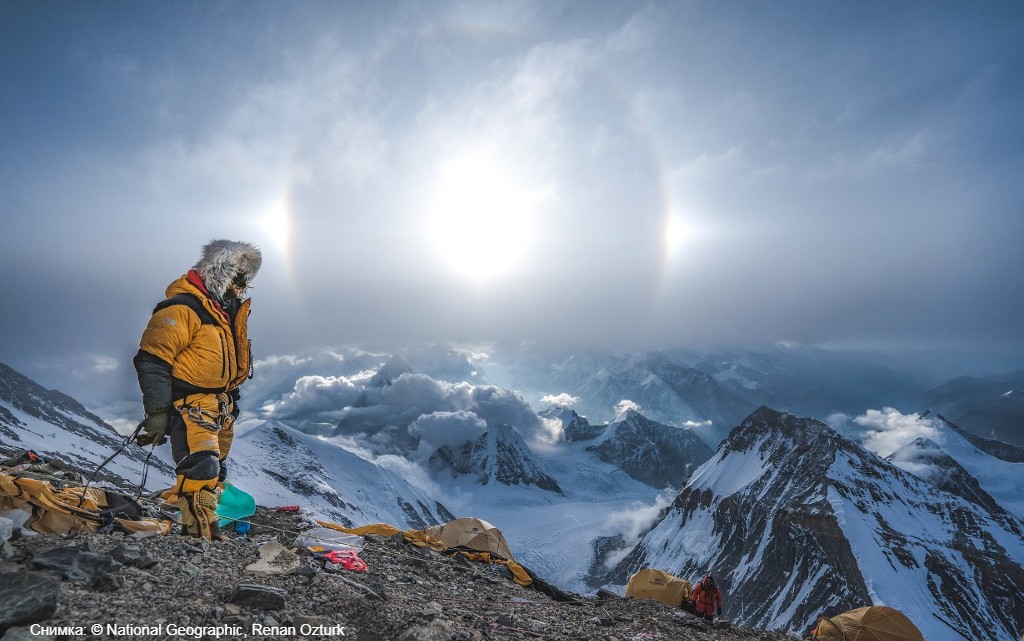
481, 218
676, 233
275, 223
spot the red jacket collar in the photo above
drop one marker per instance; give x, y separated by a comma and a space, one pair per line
197, 280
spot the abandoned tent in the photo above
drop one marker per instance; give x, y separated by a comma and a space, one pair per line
649, 583
873, 623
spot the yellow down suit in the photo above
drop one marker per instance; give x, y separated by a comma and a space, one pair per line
193, 356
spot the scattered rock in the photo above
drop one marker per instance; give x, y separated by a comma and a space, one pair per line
312, 622
262, 597
274, 559
76, 564
191, 568
436, 630
106, 582
431, 610
133, 555
26, 597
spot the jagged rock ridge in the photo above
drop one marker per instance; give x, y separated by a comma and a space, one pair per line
499, 455
575, 428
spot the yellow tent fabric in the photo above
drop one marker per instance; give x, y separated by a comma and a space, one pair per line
660, 586
420, 538
873, 623
473, 533
59, 510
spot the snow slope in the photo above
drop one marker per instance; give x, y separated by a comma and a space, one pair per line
281, 466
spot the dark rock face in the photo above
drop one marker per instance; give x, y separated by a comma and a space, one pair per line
652, 453
795, 525
773, 512
76, 564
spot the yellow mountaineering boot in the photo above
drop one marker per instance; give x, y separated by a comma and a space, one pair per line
199, 515
188, 522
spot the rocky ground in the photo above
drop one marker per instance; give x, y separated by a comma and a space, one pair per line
109, 586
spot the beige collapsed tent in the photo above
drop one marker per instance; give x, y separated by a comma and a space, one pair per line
472, 533
660, 586
421, 539
60, 509
873, 623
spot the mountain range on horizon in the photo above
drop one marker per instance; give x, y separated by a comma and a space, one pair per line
795, 519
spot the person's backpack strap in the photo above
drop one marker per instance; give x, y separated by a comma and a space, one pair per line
192, 302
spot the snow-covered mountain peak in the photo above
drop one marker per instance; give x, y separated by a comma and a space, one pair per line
390, 371
500, 455
774, 426
574, 427
653, 453
564, 414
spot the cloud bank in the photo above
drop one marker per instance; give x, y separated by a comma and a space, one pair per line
888, 430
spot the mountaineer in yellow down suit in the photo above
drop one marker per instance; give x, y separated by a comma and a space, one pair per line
193, 356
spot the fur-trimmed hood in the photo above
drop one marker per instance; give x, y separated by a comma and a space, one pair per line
223, 259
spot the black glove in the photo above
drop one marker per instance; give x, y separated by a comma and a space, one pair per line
154, 429
718, 612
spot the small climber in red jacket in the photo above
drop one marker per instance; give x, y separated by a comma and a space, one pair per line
707, 598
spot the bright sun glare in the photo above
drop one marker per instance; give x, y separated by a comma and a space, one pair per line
677, 232
481, 218
276, 223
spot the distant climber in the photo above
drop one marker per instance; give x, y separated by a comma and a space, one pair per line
707, 598
194, 354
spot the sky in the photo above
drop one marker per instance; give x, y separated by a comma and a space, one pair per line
632, 173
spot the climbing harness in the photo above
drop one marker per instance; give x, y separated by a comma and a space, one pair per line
199, 415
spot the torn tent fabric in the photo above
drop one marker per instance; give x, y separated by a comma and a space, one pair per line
58, 509
421, 539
